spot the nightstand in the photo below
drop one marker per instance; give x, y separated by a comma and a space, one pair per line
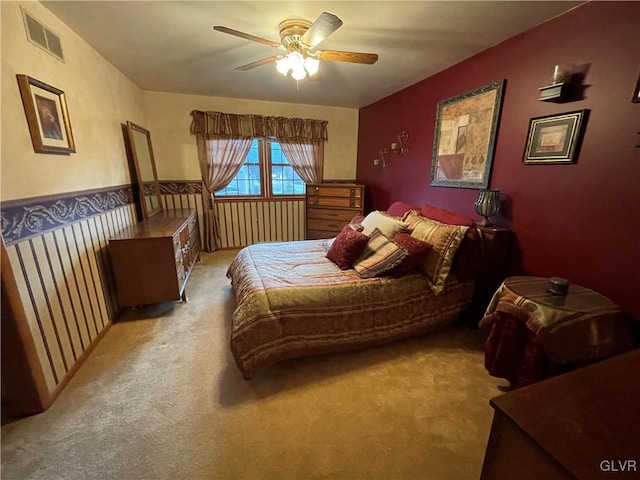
498, 247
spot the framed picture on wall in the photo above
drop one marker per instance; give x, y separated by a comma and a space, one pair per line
464, 142
555, 139
47, 116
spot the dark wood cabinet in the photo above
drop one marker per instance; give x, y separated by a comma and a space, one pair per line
496, 264
580, 425
152, 260
331, 206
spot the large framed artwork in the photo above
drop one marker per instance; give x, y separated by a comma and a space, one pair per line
555, 139
466, 128
47, 116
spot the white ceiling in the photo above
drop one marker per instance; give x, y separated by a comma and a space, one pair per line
170, 46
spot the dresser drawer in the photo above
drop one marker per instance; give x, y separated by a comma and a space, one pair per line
177, 243
335, 191
349, 202
332, 214
330, 225
319, 234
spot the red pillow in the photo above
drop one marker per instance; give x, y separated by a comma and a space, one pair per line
445, 216
347, 247
398, 209
416, 251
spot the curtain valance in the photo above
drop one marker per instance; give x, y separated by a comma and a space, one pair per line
232, 125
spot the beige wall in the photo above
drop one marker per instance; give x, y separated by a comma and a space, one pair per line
99, 99
168, 119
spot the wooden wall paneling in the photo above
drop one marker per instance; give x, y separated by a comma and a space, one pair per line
75, 281
60, 266
61, 275
245, 222
24, 386
94, 271
49, 284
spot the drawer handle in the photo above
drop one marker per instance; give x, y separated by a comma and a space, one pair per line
332, 214
352, 192
332, 225
352, 202
317, 188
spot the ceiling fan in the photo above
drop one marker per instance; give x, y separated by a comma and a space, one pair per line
298, 41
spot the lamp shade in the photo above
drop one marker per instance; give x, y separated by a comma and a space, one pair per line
488, 203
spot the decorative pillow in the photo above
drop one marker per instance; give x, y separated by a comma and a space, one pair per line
379, 256
445, 216
387, 225
445, 240
416, 250
398, 209
357, 220
347, 247
467, 259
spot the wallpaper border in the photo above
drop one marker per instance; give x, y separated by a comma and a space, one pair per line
30, 217
180, 187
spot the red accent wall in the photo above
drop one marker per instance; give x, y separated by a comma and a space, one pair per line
580, 221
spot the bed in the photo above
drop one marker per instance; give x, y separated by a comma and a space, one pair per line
292, 301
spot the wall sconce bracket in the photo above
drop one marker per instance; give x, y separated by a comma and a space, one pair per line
400, 147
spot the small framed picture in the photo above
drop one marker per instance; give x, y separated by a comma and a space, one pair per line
555, 139
47, 116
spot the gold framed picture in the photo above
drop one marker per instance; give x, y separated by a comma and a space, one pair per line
464, 142
47, 116
555, 139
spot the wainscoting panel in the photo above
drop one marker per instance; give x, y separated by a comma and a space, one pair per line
245, 222
57, 249
242, 222
184, 194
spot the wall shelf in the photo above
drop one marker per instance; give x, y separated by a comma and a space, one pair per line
557, 92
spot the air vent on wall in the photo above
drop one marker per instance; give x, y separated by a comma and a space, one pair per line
41, 36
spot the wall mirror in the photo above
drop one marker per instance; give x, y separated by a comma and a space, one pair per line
145, 170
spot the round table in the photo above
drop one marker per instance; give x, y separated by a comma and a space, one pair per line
578, 327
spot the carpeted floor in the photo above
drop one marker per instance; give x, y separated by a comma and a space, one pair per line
160, 398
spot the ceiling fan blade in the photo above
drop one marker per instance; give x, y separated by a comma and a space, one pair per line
264, 61
325, 25
246, 36
353, 57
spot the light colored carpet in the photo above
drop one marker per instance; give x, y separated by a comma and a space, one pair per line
160, 398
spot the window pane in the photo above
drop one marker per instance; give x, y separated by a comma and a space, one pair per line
247, 180
284, 179
277, 157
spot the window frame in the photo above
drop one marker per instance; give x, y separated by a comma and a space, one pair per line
266, 185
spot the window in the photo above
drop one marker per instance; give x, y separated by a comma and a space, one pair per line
265, 172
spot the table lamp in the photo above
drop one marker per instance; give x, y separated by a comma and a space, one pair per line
488, 204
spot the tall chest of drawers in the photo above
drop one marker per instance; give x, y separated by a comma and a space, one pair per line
152, 260
330, 206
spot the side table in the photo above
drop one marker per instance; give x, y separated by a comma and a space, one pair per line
532, 329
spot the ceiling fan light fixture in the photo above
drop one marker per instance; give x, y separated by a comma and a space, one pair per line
311, 65
282, 65
298, 73
298, 65
296, 60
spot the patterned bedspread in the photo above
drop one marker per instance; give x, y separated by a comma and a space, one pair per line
293, 302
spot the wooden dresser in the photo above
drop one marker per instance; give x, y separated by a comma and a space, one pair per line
152, 260
330, 206
580, 425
